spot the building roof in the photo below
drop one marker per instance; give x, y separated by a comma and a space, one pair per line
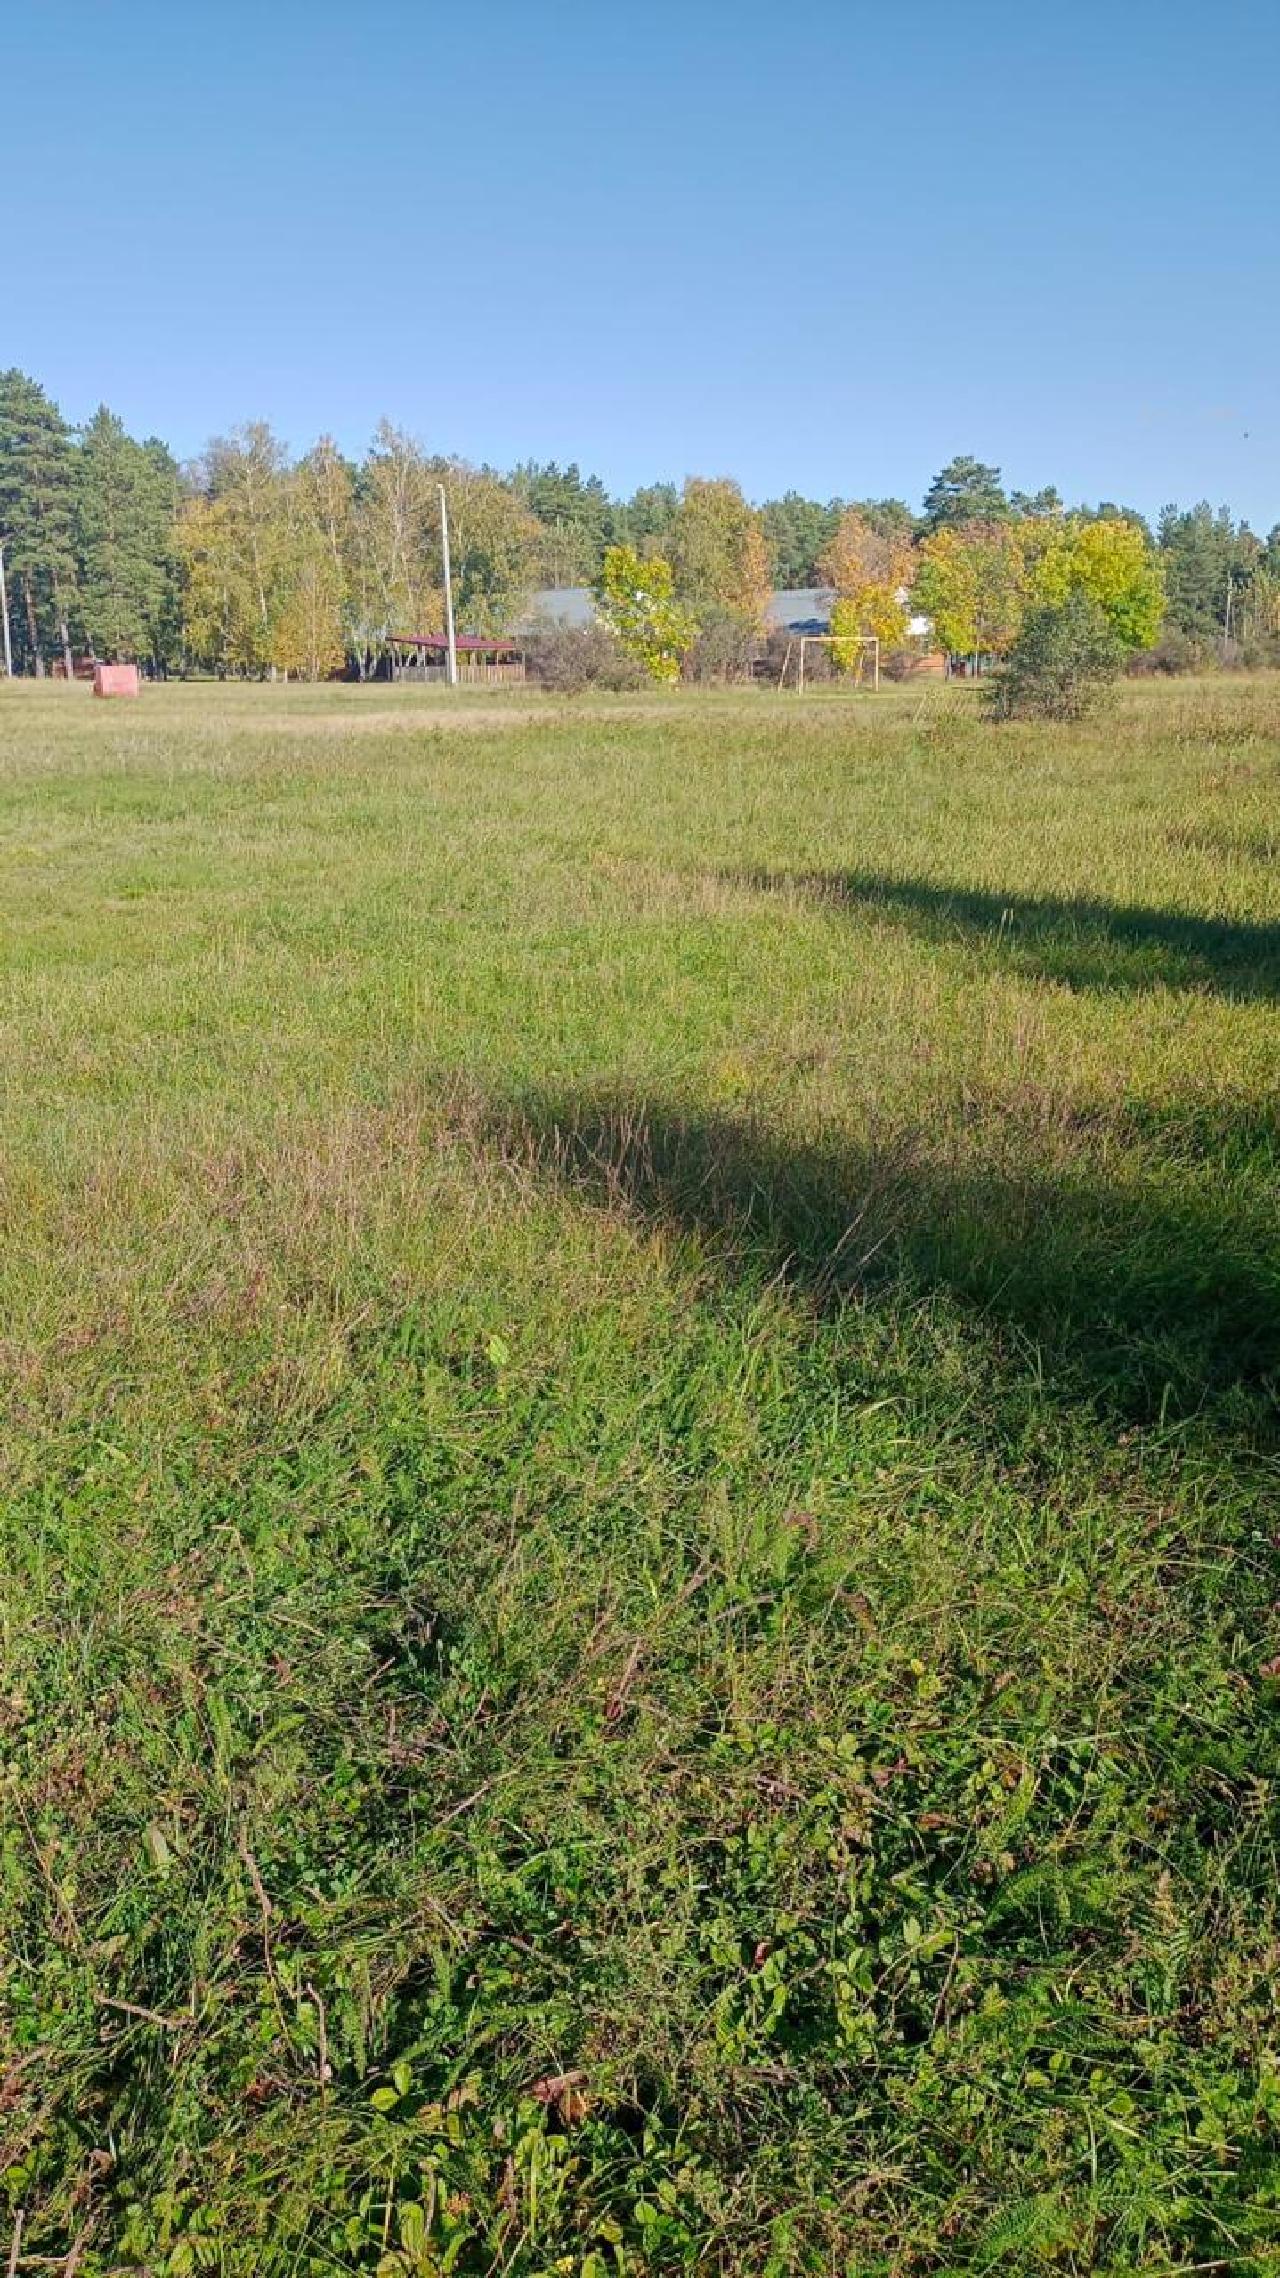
803, 609
800, 609
572, 605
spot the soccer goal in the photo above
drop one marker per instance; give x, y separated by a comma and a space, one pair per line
798, 666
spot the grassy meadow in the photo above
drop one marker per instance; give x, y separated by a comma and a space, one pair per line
639, 1525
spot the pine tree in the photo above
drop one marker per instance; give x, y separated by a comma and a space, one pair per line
576, 518
796, 530
126, 500
1205, 556
965, 490
37, 518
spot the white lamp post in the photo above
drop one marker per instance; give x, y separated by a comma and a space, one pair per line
448, 589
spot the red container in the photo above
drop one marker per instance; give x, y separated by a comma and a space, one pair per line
115, 680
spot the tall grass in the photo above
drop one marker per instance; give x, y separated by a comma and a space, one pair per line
639, 1485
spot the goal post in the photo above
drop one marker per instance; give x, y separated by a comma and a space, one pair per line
868, 654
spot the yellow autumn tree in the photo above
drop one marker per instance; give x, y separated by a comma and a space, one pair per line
306, 634
871, 572
224, 623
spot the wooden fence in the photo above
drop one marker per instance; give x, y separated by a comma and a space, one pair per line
470, 673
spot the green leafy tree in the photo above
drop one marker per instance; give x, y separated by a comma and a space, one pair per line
946, 590
126, 502
1114, 564
718, 552
37, 519
971, 582
636, 599
495, 545
965, 490
395, 566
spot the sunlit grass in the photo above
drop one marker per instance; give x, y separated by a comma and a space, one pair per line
640, 1581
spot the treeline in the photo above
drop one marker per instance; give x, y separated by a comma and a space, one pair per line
248, 561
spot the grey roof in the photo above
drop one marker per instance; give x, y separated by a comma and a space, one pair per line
804, 609
557, 605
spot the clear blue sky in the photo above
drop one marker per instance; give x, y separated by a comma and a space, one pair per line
825, 246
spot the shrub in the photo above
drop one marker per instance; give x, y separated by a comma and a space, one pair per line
1174, 652
1064, 656
725, 650
568, 658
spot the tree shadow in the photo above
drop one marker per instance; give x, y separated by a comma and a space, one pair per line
1142, 1293
1082, 941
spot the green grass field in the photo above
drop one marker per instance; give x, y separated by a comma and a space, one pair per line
640, 1507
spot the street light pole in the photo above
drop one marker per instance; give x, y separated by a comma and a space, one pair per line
4, 613
448, 589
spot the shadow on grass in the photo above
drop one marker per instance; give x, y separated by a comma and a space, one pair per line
1143, 1293
1084, 942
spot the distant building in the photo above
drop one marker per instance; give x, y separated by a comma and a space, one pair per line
806, 610
800, 609
557, 605
790, 612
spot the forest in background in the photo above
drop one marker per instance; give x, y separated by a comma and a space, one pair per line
249, 561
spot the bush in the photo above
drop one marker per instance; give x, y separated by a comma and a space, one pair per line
565, 659
725, 650
1064, 656
1174, 652
1178, 652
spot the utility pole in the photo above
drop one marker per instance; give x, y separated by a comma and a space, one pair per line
4, 613
448, 589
